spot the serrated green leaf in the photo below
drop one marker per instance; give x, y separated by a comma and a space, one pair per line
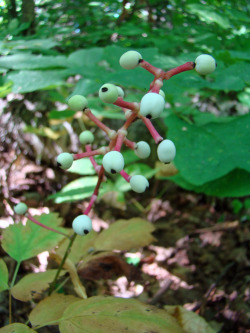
112, 314
24, 242
4, 276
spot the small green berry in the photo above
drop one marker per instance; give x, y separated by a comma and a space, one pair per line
205, 64
82, 225
86, 137
108, 93
142, 149
21, 208
113, 162
166, 151
130, 59
139, 183
65, 160
77, 102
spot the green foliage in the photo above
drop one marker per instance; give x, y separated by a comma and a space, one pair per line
24, 242
4, 276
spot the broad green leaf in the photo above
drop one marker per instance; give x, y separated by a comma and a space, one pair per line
51, 308
4, 276
112, 314
16, 328
32, 285
78, 189
209, 15
86, 86
27, 81
125, 235
189, 321
205, 153
82, 167
32, 44
86, 58
31, 61
81, 247
234, 184
24, 242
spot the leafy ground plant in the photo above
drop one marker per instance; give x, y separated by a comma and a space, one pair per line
98, 313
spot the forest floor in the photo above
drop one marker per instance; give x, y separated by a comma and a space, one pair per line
199, 260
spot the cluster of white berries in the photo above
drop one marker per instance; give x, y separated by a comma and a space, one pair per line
151, 106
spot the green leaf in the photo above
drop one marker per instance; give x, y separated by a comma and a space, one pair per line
32, 44
27, 81
24, 242
4, 276
234, 184
208, 152
31, 61
82, 167
112, 314
78, 189
16, 328
32, 285
125, 235
51, 308
208, 14
86, 58
189, 321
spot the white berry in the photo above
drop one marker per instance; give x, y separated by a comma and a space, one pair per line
152, 105
166, 151
21, 208
108, 93
205, 64
86, 137
138, 183
77, 102
65, 160
113, 162
82, 225
130, 59
142, 149
120, 92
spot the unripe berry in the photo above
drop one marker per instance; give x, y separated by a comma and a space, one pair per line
142, 149
130, 59
21, 208
65, 160
120, 92
166, 151
161, 92
82, 225
205, 64
113, 162
77, 102
86, 137
139, 183
108, 93
152, 105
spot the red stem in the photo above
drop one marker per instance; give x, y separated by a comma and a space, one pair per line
31, 218
125, 175
99, 151
156, 136
185, 67
105, 128
127, 105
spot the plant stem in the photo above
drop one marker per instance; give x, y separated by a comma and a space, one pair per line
103, 127
185, 67
125, 175
52, 287
31, 218
156, 136
100, 151
11, 286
